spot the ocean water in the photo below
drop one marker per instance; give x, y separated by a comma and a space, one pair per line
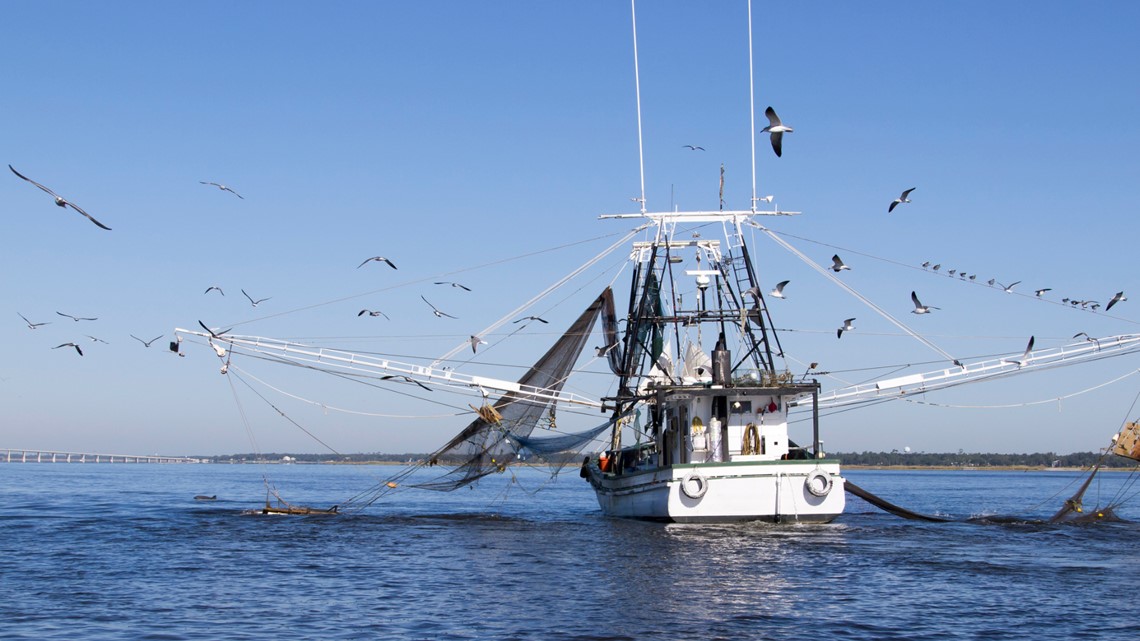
123, 551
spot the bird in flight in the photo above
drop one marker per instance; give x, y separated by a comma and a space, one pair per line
380, 259
212, 333
96, 340
32, 325
60, 200
541, 320
779, 291
434, 310
373, 312
1009, 288
837, 264
70, 345
147, 343
406, 379
1021, 362
76, 318
255, 302
847, 326
602, 351
212, 288
694, 147
904, 198
1041, 292
223, 188
777, 129
919, 308
447, 282
475, 343
1115, 299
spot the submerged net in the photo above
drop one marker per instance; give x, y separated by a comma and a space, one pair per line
501, 432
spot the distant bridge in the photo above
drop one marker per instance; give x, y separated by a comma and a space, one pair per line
8, 455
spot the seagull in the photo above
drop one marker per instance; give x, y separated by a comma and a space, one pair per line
776, 128
59, 200
1115, 299
900, 200
541, 320
32, 325
847, 326
952, 272
694, 147
213, 334
919, 308
1024, 357
476, 342
373, 312
434, 310
779, 291
937, 267
70, 345
223, 188
1041, 292
76, 318
213, 287
96, 340
380, 259
991, 282
926, 264
146, 343
406, 379
1088, 338
255, 302
1009, 288
837, 264
447, 282
602, 351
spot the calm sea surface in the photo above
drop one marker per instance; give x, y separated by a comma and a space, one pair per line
123, 551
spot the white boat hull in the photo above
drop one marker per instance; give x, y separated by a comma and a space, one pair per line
797, 491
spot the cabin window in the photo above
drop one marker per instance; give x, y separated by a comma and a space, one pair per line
740, 407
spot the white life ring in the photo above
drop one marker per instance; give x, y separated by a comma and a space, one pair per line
700, 482
818, 483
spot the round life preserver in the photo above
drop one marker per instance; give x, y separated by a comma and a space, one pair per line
694, 485
818, 483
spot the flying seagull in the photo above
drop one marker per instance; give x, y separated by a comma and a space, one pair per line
373, 312
776, 128
76, 318
96, 340
541, 320
406, 379
476, 342
1021, 362
1115, 299
447, 282
779, 291
70, 345
59, 200
147, 343
694, 147
32, 325
919, 308
847, 326
837, 264
434, 310
602, 351
255, 302
1041, 292
1009, 288
223, 188
212, 288
213, 334
900, 200
380, 259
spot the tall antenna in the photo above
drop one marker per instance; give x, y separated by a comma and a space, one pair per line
637, 85
751, 105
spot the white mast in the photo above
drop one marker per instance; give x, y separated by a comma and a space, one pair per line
637, 89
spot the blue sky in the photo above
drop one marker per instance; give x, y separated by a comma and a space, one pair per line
453, 136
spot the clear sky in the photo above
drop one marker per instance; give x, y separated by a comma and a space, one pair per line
453, 136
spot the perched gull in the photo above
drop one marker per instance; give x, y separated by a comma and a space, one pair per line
223, 188
76, 318
1009, 288
991, 282
435, 310
1041, 292
937, 267
59, 200
212, 288
379, 259
373, 312
847, 326
70, 345
779, 291
776, 128
447, 282
837, 264
1088, 338
1021, 362
32, 325
919, 308
146, 343
255, 302
1115, 299
900, 200
926, 264
952, 272
694, 147
541, 320
475, 343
